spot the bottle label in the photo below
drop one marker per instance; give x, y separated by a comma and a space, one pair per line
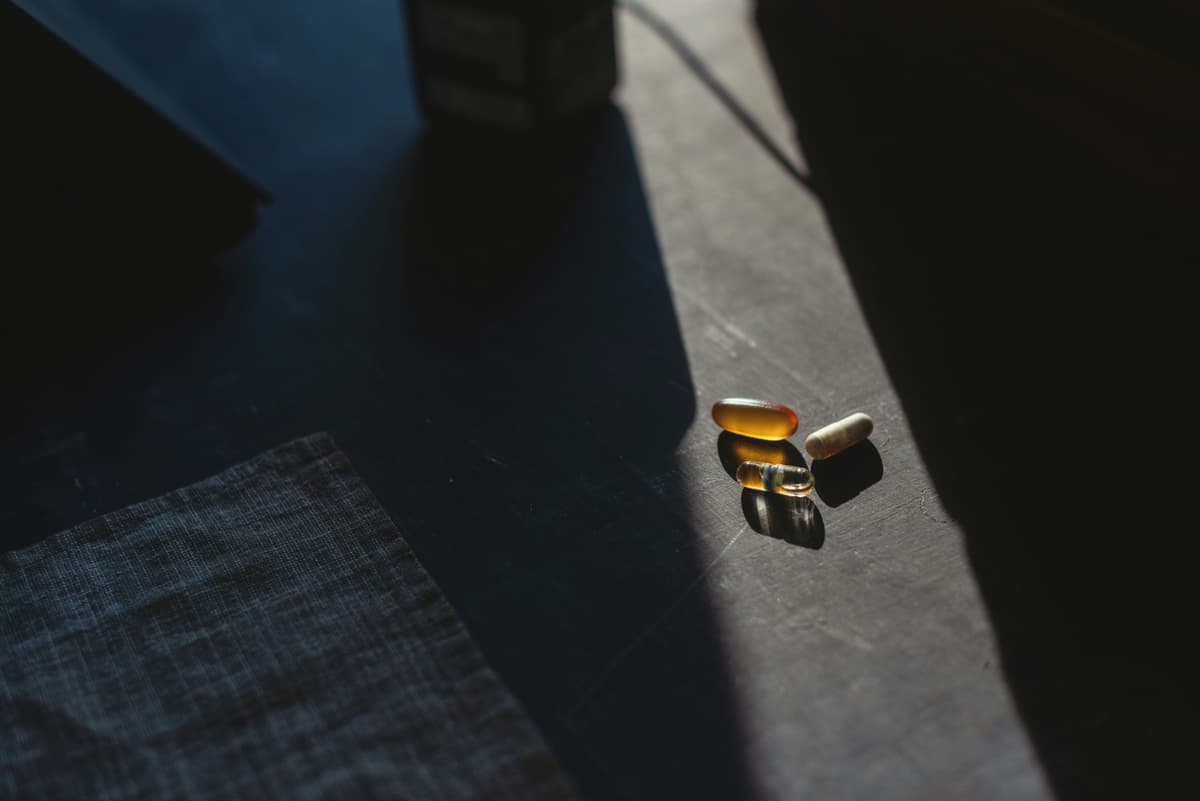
479, 104
489, 44
582, 62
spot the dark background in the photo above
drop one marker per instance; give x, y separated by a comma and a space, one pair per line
517, 348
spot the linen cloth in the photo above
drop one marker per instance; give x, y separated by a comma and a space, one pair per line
265, 633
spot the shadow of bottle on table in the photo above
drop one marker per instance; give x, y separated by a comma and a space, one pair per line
523, 312
843, 476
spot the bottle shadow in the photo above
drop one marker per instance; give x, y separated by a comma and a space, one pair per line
522, 310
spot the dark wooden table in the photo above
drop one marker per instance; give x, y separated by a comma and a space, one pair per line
518, 351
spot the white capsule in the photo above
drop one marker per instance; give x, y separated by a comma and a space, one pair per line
837, 437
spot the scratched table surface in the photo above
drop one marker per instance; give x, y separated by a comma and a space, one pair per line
518, 352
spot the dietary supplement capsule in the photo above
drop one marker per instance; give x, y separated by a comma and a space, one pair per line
755, 418
837, 437
733, 449
781, 479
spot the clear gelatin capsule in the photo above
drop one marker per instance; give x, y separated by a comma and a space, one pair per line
755, 418
781, 479
837, 437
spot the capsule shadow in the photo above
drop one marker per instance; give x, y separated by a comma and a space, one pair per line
794, 520
734, 449
843, 476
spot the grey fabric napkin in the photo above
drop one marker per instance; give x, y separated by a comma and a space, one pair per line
265, 633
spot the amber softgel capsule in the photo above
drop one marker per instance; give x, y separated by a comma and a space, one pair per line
837, 437
781, 479
755, 418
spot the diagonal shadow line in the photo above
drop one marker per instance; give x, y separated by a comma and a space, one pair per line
621, 657
693, 62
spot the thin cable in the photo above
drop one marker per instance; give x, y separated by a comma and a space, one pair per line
693, 62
